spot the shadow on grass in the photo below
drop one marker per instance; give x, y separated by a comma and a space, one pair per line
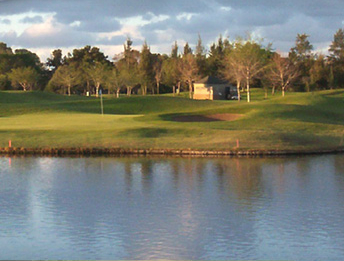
311, 141
153, 132
328, 110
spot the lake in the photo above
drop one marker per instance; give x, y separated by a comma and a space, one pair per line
172, 208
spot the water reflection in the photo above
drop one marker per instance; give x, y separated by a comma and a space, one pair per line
172, 208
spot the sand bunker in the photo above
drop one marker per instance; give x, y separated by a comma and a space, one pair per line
208, 118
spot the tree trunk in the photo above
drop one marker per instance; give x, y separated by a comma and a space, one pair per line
174, 90
88, 86
273, 90
97, 90
238, 90
69, 90
157, 87
178, 89
128, 90
117, 93
283, 89
190, 89
248, 88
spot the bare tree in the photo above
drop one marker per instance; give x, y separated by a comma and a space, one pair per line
233, 69
282, 72
189, 70
247, 60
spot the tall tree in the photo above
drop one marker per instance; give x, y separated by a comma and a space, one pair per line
336, 49
174, 52
200, 55
301, 55
146, 68
302, 49
187, 49
26, 77
216, 56
336, 59
56, 60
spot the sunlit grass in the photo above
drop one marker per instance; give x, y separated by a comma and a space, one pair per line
297, 121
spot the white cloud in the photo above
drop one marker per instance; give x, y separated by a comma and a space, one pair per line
185, 16
226, 8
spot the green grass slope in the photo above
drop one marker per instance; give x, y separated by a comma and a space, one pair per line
297, 121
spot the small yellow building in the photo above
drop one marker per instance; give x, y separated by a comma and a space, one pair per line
213, 88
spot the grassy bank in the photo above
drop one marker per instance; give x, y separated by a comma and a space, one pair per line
299, 121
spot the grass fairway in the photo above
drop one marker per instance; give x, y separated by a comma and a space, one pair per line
299, 121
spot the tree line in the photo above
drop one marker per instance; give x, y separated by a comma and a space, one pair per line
243, 62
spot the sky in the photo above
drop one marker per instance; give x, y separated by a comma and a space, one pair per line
44, 25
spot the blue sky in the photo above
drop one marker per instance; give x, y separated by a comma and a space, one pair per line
44, 25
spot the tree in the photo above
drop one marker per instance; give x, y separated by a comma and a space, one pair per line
114, 81
187, 49
56, 60
216, 56
233, 68
157, 71
302, 49
301, 55
200, 55
129, 77
188, 70
320, 75
170, 71
336, 59
97, 73
130, 56
336, 49
4, 49
4, 83
146, 68
66, 76
248, 61
26, 77
27, 58
281, 72
174, 52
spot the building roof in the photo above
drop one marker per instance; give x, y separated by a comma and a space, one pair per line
212, 80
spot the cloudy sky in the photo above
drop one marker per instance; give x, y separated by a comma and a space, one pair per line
44, 25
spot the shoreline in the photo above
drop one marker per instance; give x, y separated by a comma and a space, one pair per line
19, 151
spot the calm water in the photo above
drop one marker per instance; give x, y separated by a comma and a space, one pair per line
172, 208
